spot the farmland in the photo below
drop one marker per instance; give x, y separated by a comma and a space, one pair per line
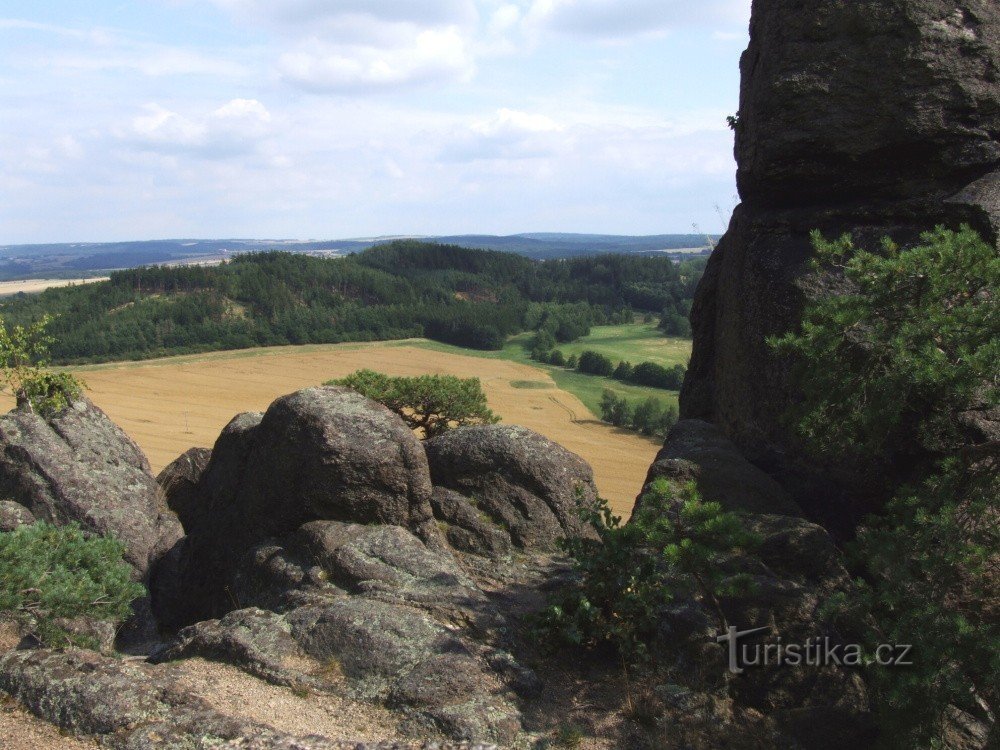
633, 342
170, 405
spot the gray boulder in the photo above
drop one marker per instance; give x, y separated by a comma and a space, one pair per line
514, 485
696, 451
78, 466
179, 481
321, 454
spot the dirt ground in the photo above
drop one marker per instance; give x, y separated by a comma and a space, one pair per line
170, 405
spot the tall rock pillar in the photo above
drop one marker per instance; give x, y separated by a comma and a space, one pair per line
876, 117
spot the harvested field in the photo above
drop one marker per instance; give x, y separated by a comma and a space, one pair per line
30, 286
170, 405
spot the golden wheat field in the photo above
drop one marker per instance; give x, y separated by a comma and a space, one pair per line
170, 405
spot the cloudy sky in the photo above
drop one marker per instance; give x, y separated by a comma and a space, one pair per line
350, 118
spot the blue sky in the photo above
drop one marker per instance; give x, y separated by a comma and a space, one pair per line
352, 118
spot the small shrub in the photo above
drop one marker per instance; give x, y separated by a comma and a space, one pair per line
674, 547
49, 573
23, 369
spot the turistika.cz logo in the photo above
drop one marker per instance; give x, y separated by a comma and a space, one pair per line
815, 652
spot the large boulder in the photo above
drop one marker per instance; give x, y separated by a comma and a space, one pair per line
321, 454
79, 466
509, 485
696, 451
179, 481
876, 117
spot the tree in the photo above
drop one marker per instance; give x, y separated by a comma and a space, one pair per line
557, 358
572, 361
431, 403
623, 372
672, 548
903, 365
50, 573
674, 324
595, 363
615, 409
24, 368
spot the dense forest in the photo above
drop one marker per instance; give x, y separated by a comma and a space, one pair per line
472, 298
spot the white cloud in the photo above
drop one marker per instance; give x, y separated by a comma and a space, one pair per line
508, 135
335, 13
154, 61
430, 54
232, 129
622, 18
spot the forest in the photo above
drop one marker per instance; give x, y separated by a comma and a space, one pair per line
471, 298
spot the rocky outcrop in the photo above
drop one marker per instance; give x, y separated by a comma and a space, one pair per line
876, 117
322, 454
698, 452
78, 466
509, 486
14, 515
134, 706
793, 570
179, 481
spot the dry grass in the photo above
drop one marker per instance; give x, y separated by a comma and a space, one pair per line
170, 405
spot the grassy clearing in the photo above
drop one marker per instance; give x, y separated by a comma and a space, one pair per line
530, 384
635, 342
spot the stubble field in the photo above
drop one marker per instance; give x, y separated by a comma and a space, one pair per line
170, 405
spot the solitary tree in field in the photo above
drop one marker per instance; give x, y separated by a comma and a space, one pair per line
24, 368
431, 403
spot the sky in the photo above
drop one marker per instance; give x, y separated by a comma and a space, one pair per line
322, 119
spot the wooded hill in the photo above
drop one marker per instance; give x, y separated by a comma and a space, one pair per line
404, 289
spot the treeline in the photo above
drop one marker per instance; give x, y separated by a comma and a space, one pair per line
471, 298
649, 374
650, 416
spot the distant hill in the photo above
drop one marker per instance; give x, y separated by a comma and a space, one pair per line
401, 289
91, 259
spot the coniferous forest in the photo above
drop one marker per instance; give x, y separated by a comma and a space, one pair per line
471, 298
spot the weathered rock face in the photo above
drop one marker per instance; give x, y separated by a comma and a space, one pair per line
79, 466
698, 452
179, 482
322, 454
794, 570
508, 485
873, 117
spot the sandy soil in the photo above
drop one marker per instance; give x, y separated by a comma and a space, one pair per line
20, 730
235, 693
170, 405
27, 286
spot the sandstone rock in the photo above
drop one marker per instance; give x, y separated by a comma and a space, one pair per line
696, 451
179, 480
318, 454
871, 117
13, 515
524, 485
79, 466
